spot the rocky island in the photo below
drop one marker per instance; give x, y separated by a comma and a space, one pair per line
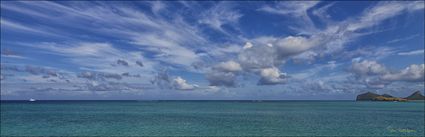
369, 96
416, 96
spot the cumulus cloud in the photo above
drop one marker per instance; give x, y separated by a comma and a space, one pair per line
369, 72
224, 74
257, 57
229, 66
247, 45
271, 76
264, 58
413, 73
269, 52
164, 81
293, 45
376, 75
218, 78
366, 68
261, 59
181, 84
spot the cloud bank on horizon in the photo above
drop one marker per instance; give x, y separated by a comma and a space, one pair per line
210, 50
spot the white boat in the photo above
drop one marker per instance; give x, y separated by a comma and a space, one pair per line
32, 100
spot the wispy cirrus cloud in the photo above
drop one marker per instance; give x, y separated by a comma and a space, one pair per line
14, 26
172, 41
415, 52
403, 39
219, 15
104, 54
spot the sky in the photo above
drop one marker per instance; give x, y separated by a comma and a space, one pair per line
207, 50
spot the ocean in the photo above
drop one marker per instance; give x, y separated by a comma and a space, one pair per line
211, 118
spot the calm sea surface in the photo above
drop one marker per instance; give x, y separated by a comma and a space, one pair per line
211, 118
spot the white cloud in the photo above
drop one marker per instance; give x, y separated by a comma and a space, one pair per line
219, 15
171, 40
157, 6
293, 45
307, 57
229, 66
11, 54
376, 75
271, 76
14, 56
164, 81
366, 68
218, 78
224, 74
263, 59
331, 39
412, 73
181, 84
409, 53
257, 57
322, 12
383, 11
81, 49
6, 24
106, 57
296, 9
403, 39
247, 45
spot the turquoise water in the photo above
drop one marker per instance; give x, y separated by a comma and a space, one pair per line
212, 118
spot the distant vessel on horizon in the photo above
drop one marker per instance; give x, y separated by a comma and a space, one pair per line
32, 100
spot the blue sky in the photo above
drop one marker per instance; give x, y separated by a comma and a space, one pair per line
210, 50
